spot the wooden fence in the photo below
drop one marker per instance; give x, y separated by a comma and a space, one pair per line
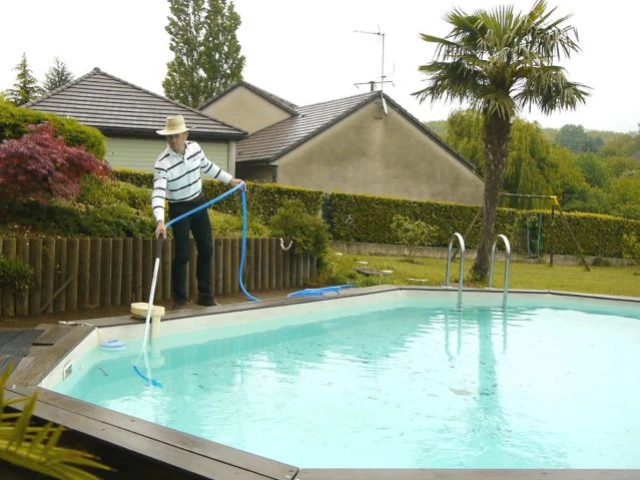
81, 273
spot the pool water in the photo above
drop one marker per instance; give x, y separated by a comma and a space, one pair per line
410, 384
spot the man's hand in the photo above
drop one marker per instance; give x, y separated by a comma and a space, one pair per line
161, 230
234, 182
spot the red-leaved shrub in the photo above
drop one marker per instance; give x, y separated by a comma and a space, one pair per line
40, 167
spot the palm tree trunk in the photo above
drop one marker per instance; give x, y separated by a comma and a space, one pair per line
497, 130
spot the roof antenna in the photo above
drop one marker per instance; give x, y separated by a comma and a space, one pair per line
372, 83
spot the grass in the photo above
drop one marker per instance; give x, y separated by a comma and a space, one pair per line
623, 281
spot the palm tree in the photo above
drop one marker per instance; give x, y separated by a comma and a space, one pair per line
501, 62
36, 448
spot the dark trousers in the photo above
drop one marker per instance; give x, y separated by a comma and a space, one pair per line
200, 226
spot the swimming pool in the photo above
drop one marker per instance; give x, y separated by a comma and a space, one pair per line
400, 379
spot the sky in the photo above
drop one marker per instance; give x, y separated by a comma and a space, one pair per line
308, 51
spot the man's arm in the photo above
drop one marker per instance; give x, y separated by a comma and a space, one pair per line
158, 195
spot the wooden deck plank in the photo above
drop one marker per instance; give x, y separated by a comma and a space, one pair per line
46, 357
454, 474
156, 449
264, 466
52, 335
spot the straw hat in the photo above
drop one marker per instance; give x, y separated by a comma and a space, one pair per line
173, 126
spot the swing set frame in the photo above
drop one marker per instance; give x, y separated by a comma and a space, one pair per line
555, 207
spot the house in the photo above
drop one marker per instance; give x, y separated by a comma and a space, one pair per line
365, 144
129, 116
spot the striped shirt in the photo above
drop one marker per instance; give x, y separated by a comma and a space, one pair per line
178, 178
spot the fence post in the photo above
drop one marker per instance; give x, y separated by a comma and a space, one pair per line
48, 274
105, 273
226, 242
73, 256
273, 264
166, 268
22, 254
35, 260
265, 263
8, 307
84, 272
127, 271
235, 264
95, 273
137, 270
279, 267
218, 278
61, 283
116, 271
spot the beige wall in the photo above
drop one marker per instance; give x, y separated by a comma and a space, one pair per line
255, 173
386, 156
141, 154
246, 110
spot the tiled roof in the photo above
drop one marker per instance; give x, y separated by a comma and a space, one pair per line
268, 96
274, 141
115, 106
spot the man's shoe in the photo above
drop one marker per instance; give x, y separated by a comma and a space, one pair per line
178, 304
207, 301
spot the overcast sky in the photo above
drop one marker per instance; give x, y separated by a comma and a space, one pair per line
306, 51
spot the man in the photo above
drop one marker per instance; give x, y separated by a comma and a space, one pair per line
178, 179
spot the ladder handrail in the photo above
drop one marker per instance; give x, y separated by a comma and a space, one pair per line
455, 236
507, 247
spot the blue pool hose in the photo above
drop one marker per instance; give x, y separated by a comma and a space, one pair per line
242, 188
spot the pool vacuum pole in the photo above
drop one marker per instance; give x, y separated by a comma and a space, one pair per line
154, 279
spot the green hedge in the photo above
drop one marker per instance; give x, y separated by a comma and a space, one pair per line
14, 121
72, 220
363, 218
263, 200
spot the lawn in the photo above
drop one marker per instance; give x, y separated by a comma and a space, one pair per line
624, 281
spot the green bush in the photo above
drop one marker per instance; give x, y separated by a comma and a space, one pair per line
102, 193
14, 121
14, 274
631, 248
412, 233
230, 226
73, 220
309, 233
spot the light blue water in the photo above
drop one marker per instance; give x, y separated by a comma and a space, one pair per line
417, 386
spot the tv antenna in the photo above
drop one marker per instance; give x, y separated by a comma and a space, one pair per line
372, 83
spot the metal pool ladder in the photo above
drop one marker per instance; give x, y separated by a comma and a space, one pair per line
507, 247
461, 276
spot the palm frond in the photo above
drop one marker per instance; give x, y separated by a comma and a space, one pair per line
549, 90
501, 61
451, 80
36, 448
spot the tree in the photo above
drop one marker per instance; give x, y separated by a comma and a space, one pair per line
501, 62
570, 184
207, 54
530, 167
40, 167
572, 137
624, 145
57, 76
594, 170
26, 87
464, 134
